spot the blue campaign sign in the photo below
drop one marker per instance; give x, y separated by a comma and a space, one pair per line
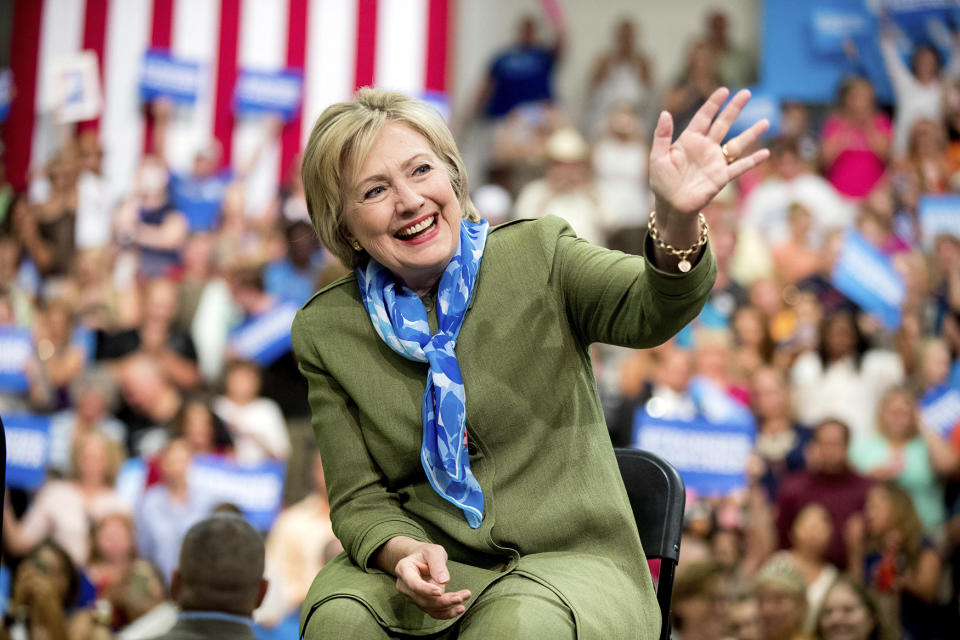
265, 337
164, 76
15, 349
803, 54
711, 458
269, 92
940, 409
939, 214
28, 447
6, 93
257, 489
867, 277
830, 26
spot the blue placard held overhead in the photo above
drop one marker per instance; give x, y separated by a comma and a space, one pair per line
940, 409
256, 489
866, 276
16, 346
28, 448
265, 337
830, 26
763, 104
939, 214
164, 76
269, 92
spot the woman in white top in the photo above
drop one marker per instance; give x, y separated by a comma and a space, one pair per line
843, 379
918, 89
65, 509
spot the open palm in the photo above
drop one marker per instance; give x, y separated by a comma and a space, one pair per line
688, 173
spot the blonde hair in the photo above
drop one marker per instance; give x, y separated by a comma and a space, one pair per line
340, 141
111, 449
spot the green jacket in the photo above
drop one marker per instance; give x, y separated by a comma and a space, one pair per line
555, 507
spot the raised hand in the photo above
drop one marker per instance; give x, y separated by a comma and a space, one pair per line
685, 175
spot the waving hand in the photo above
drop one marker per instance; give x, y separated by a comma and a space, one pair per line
686, 174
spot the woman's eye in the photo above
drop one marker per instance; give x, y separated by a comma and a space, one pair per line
373, 193
422, 169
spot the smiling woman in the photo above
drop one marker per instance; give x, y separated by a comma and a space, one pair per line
471, 478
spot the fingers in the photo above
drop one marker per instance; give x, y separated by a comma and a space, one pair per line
743, 165
436, 558
720, 126
745, 140
705, 114
422, 576
662, 135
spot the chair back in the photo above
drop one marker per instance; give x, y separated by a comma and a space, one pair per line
657, 498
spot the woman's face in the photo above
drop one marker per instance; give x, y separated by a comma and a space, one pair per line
859, 100
403, 210
926, 66
812, 529
748, 326
840, 338
878, 511
113, 539
93, 461
198, 427
897, 420
769, 394
843, 615
781, 611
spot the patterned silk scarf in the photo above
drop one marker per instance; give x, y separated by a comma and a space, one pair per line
400, 319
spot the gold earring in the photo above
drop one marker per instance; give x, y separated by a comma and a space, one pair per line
356, 245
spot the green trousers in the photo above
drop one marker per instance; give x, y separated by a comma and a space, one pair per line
512, 607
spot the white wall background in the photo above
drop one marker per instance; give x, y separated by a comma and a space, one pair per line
665, 29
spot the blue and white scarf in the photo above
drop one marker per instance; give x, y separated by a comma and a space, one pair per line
400, 319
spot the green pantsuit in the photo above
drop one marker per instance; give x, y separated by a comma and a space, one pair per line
555, 509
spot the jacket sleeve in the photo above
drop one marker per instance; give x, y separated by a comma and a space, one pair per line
623, 299
364, 513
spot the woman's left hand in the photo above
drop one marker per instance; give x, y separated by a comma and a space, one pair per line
685, 175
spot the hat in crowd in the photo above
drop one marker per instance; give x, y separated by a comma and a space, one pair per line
779, 573
567, 145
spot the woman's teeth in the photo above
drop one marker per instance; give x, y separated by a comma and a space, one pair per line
417, 228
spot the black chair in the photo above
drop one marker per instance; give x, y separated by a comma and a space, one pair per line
657, 498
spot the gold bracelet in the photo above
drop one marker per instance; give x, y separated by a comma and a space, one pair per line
684, 254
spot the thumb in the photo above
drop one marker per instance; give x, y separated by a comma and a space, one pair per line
436, 559
662, 135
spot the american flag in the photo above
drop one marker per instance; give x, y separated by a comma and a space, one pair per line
341, 45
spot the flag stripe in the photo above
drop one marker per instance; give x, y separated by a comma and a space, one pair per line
94, 35
366, 43
331, 37
398, 65
435, 78
161, 37
297, 23
27, 19
226, 76
128, 36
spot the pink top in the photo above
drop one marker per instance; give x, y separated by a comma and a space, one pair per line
61, 511
857, 168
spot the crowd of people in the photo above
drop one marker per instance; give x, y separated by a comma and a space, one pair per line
848, 523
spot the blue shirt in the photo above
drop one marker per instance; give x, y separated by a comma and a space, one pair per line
162, 523
199, 199
520, 75
282, 279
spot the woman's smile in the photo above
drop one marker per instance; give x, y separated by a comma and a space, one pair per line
404, 212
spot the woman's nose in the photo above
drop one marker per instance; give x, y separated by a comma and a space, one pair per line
408, 198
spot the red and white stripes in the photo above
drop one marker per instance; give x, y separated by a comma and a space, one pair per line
340, 44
